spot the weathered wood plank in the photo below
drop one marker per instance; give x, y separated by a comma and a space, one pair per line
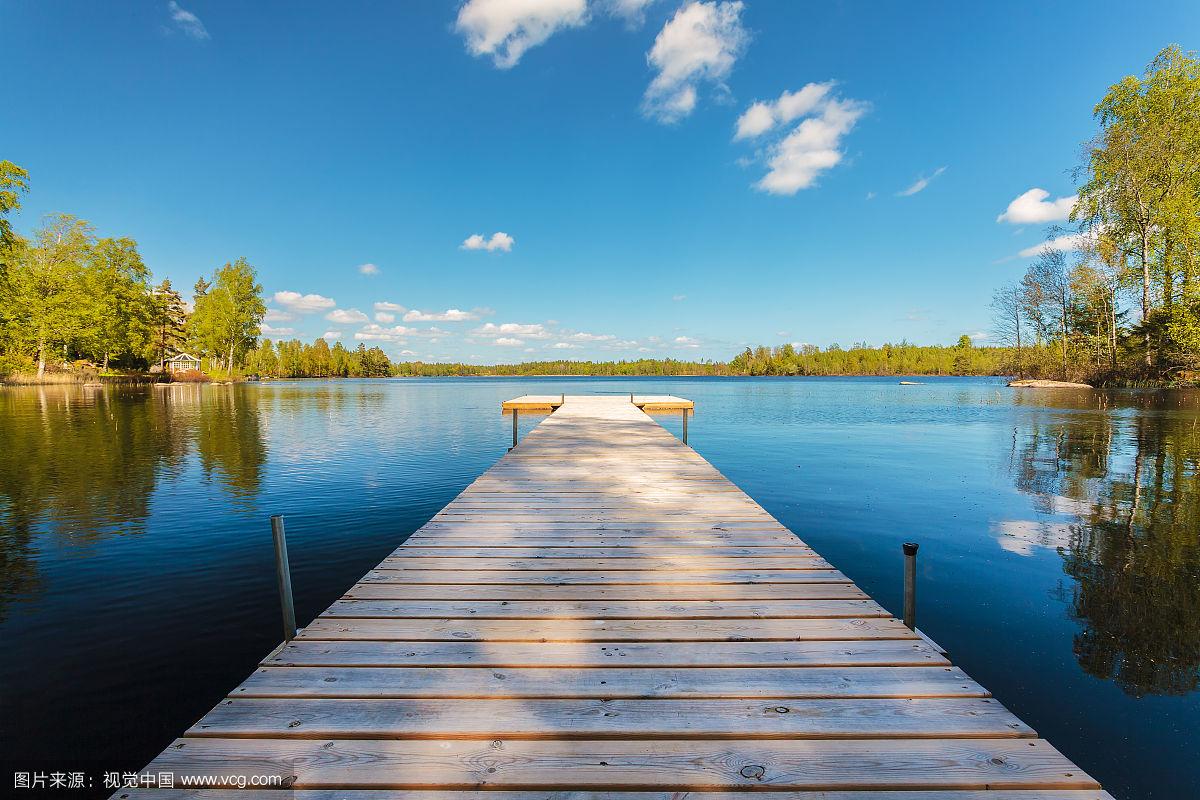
886, 652
600, 609
599, 630
612, 682
928, 764
613, 577
660, 591
603, 719
686, 563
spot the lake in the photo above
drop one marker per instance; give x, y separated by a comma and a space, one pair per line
1059, 532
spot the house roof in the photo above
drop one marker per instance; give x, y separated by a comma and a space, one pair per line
182, 357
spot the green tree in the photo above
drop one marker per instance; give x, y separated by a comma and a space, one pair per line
225, 322
42, 292
168, 317
120, 307
14, 182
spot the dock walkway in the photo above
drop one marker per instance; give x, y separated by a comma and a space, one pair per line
602, 614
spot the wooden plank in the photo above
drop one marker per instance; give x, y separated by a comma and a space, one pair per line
600, 630
416, 551
603, 719
887, 652
928, 764
800, 561
612, 577
605, 609
612, 682
660, 591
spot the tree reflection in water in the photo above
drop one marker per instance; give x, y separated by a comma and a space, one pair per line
1125, 466
82, 464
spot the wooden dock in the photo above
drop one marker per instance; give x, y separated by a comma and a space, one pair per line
600, 615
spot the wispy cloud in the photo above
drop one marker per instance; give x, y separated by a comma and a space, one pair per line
276, 315
304, 303
268, 330
508, 341
394, 308
699, 44
524, 330
1033, 207
368, 269
764, 115
632, 11
331, 336
678, 298
506, 29
346, 316
187, 22
920, 183
1065, 243
797, 159
449, 315
498, 241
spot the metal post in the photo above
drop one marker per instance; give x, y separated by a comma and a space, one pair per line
685, 416
910, 585
283, 573
631, 397
514, 429
562, 400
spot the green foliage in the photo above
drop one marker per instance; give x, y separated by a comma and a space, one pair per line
890, 359
1139, 211
224, 323
14, 182
294, 359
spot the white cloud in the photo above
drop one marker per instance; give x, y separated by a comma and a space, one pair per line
1032, 207
331, 335
679, 297
700, 43
528, 331
368, 269
267, 330
978, 336
592, 337
632, 11
275, 315
499, 241
686, 341
795, 162
407, 353
187, 22
346, 316
762, 116
505, 29
449, 315
920, 183
508, 341
395, 308
1065, 243
303, 303
564, 346
383, 316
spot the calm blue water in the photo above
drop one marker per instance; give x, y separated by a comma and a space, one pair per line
1059, 563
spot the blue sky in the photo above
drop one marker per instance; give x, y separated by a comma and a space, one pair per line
629, 197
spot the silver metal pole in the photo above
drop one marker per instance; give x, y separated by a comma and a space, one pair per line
910, 585
685, 416
283, 573
514, 444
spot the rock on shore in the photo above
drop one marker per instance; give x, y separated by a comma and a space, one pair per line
1029, 383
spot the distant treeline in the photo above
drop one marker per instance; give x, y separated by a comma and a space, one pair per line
642, 366
890, 359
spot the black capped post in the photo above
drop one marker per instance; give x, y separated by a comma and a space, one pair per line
910, 584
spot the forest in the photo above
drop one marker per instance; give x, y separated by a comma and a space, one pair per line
1115, 297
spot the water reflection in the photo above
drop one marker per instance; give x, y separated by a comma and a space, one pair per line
82, 464
1122, 469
